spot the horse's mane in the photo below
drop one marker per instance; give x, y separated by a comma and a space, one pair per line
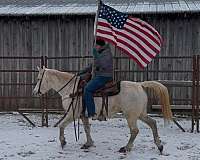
59, 74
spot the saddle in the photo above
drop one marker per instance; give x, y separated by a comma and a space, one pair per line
111, 88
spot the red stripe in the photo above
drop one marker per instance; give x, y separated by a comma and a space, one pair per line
144, 40
147, 26
134, 49
133, 40
137, 43
124, 43
130, 55
135, 34
143, 31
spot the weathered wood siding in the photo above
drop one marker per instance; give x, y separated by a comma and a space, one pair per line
62, 36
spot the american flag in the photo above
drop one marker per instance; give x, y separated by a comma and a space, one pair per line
135, 37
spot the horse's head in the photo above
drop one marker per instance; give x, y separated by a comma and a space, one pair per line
42, 82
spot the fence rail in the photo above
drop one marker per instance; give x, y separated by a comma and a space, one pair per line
18, 77
18, 74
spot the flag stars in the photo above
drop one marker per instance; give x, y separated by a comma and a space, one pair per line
115, 18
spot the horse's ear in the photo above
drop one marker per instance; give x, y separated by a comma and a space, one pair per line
43, 67
38, 68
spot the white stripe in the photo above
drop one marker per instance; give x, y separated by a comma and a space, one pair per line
144, 36
158, 35
122, 46
132, 53
106, 36
136, 38
130, 42
145, 29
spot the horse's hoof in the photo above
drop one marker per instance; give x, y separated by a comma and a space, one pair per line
101, 118
85, 146
123, 150
63, 144
160, 148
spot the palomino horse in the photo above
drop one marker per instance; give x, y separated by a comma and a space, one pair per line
132, 101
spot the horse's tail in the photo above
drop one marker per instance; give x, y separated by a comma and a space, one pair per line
162, 92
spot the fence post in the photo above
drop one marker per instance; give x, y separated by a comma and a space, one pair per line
43, 100
195, 92
46, 106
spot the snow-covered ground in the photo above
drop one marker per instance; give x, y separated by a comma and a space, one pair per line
20, 141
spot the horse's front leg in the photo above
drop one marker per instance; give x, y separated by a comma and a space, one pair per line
86, 126
62, 126
62, 137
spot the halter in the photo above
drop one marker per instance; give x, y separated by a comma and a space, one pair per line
41, 82
39, 92
67, 84
71, 104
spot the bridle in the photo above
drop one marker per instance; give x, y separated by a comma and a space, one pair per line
39, 92
71, 104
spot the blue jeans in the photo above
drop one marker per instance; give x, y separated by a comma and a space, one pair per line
94, 84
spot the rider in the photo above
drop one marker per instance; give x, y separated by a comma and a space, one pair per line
102, 72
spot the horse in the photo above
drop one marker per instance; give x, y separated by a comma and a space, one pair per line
131, 101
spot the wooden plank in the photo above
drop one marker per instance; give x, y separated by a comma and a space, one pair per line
176, 83
29, 110
178, 107
45, 36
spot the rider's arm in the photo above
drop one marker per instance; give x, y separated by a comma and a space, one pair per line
85, 70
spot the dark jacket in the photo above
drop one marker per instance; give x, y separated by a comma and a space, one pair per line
103, 62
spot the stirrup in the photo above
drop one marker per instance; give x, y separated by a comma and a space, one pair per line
94, 117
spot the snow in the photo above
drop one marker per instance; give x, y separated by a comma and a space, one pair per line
20, 141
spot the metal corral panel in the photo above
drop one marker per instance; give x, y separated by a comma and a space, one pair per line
68, 7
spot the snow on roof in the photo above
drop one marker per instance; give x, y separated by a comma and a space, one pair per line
80, 7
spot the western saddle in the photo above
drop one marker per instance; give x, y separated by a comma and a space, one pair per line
111, 88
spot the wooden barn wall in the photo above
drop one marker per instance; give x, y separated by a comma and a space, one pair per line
62, 36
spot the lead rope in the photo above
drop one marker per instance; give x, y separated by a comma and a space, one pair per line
71, 101
79, 117
74, 110
65, 113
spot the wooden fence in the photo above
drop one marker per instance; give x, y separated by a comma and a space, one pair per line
18, 77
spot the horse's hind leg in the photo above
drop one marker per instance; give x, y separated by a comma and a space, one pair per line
86, 126
152, 124
132, 123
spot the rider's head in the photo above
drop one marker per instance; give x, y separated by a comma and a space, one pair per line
100, 43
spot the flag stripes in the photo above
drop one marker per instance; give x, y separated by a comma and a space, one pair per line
137, 38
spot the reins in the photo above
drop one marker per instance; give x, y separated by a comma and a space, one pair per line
41, 82
74, 110
60, 88
71, 104
68, 83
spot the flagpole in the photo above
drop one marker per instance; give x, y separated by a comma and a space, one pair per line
95, 23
